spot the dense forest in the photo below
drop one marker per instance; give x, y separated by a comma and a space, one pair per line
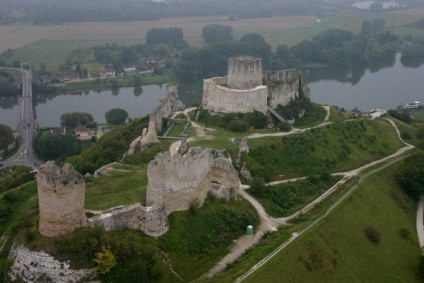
59, 11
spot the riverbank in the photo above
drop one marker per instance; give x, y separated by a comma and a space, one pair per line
116, 82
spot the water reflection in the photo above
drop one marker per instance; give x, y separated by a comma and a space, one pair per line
351, 75
138, 90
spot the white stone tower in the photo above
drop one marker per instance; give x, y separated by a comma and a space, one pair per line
244, 72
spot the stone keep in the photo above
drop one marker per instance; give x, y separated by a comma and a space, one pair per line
61, 193
244, 72
242, 89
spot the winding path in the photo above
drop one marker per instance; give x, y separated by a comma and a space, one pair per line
270, 224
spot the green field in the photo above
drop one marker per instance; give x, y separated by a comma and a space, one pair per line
337, 250
126, 185
53, 45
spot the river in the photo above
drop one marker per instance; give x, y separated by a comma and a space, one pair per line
366, 89
348, 88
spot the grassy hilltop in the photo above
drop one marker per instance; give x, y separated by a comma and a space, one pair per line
336, 249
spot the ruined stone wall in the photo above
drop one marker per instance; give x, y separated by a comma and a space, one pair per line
166, 107
148, 136
153, 221
31, 266
61, 194
219, 98
244, 72
285, 86
179, 180
225, 180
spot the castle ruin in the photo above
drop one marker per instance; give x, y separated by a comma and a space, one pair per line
246, 88
61, 193
166, 107
175, 183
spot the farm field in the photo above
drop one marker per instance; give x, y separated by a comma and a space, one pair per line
52, 44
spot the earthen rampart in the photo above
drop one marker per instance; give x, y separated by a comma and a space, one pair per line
61, 194
166, 107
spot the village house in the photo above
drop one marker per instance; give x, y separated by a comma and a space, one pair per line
71, 77
129, 69
82, 131
107, 73
58, 131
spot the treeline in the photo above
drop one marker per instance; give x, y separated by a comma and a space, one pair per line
211, 60
9, 86
334, 47
171, 36
56, 11
417, 24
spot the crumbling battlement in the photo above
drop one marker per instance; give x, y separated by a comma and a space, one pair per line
148, 136
153, 221
284, 85
61, 193
167, 106
179, 180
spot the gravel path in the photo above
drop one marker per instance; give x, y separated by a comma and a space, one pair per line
270, 224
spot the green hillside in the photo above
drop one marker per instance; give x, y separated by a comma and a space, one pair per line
338, 250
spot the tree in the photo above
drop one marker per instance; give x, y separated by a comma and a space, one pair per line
53, 147
410, 176
217, 32
72, 119
171, 36
137, 81
116, 116
105, 261
6, 136
252, 37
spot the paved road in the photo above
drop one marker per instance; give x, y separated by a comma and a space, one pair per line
25, 154
420, 224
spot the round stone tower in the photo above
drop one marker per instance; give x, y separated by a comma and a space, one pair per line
61, 193
244, 72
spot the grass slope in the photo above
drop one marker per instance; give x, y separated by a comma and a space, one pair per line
337, 250
334, 148
125, 186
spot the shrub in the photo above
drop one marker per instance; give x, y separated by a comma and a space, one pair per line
404, 233
237, 126
105, 261
373, 234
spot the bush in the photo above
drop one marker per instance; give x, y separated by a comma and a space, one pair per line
372, 234
237, 126
235, 122
116, 116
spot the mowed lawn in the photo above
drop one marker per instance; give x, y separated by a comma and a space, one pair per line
337, 249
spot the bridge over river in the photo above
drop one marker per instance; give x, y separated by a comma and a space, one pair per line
27, 123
